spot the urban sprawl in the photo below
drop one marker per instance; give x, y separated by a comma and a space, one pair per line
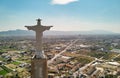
74, 56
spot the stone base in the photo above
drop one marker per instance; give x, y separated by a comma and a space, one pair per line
39, 68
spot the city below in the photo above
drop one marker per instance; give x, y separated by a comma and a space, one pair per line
69, 56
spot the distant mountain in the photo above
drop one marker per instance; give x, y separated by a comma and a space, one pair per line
32, 33
16, 33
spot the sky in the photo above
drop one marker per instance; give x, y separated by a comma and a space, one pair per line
64, 15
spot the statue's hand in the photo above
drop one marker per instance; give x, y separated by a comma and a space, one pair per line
29, 27
48, 27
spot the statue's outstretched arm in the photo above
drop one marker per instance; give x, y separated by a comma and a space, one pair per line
48, 27
30, 27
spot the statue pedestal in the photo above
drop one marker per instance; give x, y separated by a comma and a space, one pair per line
39, 68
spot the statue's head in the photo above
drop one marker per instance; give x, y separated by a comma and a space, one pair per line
39, 21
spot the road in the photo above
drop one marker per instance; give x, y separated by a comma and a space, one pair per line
116, 56
57, 55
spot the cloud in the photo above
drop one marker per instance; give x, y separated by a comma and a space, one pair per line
63, 2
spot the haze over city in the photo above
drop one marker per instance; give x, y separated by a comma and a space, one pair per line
64, 15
